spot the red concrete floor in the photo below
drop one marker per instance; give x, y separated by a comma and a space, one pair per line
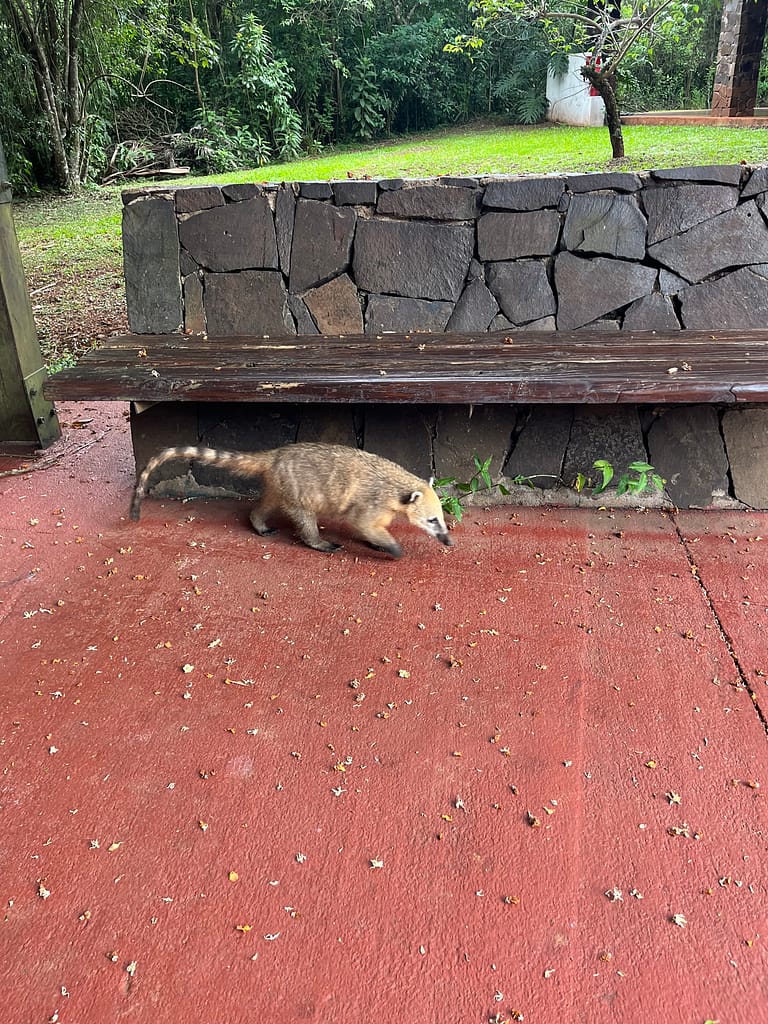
521, 778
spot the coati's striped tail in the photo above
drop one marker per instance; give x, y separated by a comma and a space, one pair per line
239, 464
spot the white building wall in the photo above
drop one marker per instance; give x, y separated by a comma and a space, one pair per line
569, 98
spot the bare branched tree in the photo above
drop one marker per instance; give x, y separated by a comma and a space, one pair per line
608, 30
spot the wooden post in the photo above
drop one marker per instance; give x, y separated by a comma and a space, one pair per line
27, 420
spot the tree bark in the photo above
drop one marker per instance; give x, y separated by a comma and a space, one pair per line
56, 76
605, 84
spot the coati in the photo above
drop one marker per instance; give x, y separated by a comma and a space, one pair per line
306, 480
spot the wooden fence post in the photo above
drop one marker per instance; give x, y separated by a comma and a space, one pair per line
27, 420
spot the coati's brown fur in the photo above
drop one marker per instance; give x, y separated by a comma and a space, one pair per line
304, 481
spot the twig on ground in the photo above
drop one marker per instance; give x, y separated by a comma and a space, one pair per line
54, 459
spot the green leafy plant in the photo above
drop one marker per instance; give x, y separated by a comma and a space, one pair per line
638, 477
480, 482
368, 104
264, 89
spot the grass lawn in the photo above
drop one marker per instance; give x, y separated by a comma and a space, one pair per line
72, 251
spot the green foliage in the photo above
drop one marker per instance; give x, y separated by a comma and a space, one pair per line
218, 142
637, 478
520, 87
481, 482
367, 103
264, 86
193, 47
289, 76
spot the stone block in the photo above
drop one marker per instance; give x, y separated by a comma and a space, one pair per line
194, 313
605, 325
501, 323
603, 432
459, 182
414, 259
391, 184
617, 181
728, 174
304, 322
242, 427
671, 211
653, 312
151, 266
671, 284
238, 236
475, 309
315, 190
253, 302
285, 213
547, 323
602, 223
587, 289
510, 236
163, 425
354, 192
393, 313
522, 290
464, 431
524, 193
539, 450
758, 182
198, 197
737, 301
187, 265
335, 306
430, 202
746, 443
245, 190
331, 424
686, 448
322, 243
402, 433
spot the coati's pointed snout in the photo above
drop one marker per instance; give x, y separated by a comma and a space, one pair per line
444, 538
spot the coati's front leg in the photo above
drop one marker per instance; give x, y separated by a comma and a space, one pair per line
375, 533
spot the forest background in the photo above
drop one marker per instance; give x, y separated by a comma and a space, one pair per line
223, 84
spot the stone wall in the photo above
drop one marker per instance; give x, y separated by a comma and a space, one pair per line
668, 249
663, 250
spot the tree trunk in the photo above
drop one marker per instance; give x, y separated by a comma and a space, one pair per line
56, 74
605, 84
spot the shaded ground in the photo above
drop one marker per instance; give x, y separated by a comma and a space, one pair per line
72, 310
520, 778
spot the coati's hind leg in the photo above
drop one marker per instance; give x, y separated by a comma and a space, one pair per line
306, 527
375, 533
259, 513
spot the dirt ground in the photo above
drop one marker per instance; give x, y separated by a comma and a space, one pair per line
73, 311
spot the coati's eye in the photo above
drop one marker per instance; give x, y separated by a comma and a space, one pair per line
433, 521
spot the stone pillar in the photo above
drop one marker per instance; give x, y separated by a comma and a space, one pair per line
738, 64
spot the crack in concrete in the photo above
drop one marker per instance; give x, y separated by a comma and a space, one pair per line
724, 634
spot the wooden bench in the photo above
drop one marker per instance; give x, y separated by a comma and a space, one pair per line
521, 367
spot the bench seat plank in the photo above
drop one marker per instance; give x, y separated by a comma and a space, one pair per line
497, 367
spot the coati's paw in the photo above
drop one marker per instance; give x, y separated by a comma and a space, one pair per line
327, 546
265, 531
393, 549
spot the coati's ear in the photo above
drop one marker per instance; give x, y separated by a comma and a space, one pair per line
409, 499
